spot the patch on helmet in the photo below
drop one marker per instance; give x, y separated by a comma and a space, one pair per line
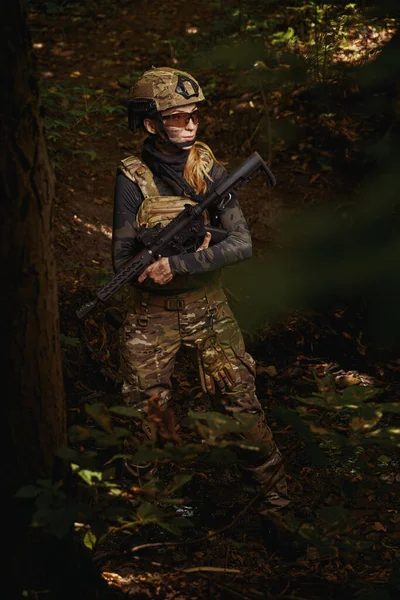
186, 87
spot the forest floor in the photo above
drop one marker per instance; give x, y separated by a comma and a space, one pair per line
87, 55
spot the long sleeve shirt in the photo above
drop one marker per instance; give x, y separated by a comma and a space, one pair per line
191, 270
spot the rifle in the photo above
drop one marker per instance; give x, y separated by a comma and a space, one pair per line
172, 238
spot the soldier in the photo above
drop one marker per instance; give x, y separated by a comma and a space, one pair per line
179, 301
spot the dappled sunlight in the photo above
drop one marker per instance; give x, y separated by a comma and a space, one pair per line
91, 228
363, 44
192, 30
327, 35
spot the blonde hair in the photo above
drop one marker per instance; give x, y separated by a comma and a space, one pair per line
198, 165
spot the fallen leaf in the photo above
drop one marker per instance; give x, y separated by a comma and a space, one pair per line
357, 423
320, 430
271, 370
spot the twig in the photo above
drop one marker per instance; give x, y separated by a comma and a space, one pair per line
248, 142
228, 548
211, 569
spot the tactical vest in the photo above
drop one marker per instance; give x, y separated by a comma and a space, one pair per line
155, 208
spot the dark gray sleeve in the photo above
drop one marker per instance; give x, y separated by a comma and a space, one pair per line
236, 247
127, 200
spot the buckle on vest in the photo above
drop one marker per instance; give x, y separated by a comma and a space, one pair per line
142, 320
174, 304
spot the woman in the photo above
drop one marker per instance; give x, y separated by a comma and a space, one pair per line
178, 301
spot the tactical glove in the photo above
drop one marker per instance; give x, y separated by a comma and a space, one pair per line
214, 366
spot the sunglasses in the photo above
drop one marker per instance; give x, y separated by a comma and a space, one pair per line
181, 119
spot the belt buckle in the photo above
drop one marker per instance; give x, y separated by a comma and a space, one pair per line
174, 304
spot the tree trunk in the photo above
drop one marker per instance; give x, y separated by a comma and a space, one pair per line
33, 407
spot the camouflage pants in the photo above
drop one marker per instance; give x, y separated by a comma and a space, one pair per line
150, 339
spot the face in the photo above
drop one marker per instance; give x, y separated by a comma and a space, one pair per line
174, 123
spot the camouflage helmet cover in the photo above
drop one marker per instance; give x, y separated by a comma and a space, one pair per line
167, 87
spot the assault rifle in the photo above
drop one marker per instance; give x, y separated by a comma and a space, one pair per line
188, 224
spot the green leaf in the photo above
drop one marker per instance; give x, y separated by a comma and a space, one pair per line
113, 488
59, 520
370, 412
28, 491
78, 433
146, 454
44, 500
48, 484
90, 477
282, 37
179, 481
316, 401
69, 342
389, 436
218, 455
327, 546
150, 513
391, 407
60, 122
89, 540
100, 415
104, 440
292, 418
69, 454
175, 525
334, 516
126, 411
121, 432
215, 424
384, 459
356, 394
145, 510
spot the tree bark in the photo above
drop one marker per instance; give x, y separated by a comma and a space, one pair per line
33, 408
35, 424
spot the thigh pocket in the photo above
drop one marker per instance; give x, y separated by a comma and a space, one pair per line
139, 336
227, 328
230, 337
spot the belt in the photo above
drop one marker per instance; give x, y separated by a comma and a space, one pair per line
179, 302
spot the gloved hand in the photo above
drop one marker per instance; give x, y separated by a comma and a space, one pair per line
214, 366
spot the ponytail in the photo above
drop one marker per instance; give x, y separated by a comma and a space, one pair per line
198, 165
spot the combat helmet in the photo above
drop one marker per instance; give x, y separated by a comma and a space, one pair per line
158, 89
